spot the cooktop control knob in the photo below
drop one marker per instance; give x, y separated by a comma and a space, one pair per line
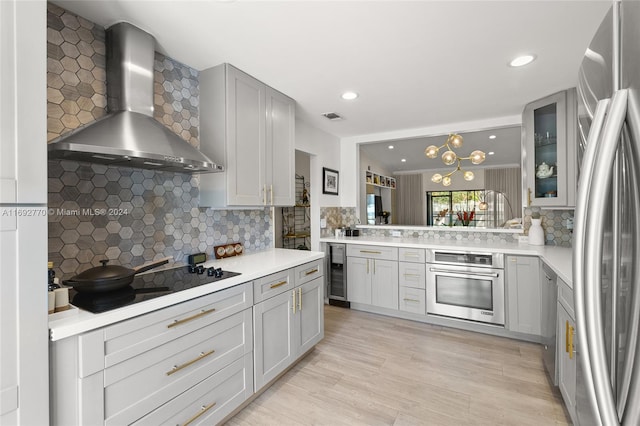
193, 269
218, 273
200, 269
211, 271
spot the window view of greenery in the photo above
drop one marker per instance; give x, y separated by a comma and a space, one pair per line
455, 208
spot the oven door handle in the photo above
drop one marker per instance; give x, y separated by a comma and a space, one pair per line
465, 273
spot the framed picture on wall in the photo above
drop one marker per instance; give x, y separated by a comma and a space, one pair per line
329, 181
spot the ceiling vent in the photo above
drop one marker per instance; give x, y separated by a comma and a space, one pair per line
332, 116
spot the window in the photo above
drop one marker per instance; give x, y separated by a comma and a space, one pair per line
443, 206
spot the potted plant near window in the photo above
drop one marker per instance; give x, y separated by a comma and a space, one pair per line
466, 217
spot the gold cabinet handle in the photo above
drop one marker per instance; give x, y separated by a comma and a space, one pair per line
411, 300
566, 336
293, 305
271, 193
299, 298
374, 266
177, 368
203, 410
412, 275
191, 318
264, 195
276, 285
367, 266
571, 330
313, 271
411, 254
370, 251
529, 196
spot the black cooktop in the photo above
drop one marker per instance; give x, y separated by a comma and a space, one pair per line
145, 287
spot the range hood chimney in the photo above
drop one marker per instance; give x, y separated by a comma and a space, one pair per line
129, 135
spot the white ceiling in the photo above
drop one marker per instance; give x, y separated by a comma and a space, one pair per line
415, 64
505, 146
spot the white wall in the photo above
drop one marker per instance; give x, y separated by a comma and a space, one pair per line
324, 151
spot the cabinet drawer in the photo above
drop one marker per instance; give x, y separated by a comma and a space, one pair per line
209, 401
411, 255
309, 271
412, 300
272, 285
135, 387
412, 274
372, 252
565, 297
137, 335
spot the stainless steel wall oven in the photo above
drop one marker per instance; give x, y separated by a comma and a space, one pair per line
466, 285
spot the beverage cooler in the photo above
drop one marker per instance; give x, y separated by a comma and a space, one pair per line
337, 276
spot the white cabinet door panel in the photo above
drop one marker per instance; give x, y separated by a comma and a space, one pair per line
310, 314
245, 139
384, 284
273, 346
358, 280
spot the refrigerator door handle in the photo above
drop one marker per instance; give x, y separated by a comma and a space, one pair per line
599, 188
581, 217
630, 386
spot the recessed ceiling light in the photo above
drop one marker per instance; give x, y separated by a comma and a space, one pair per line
491, 153
349, 96
404, 160
492, 136
522, 60
391, 146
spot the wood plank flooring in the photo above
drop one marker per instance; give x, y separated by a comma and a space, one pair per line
376, 370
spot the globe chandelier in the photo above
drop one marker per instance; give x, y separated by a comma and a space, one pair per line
449, 157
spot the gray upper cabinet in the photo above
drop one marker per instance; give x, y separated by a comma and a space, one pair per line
250, 127
549, 141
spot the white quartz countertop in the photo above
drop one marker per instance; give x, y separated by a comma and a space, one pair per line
558, 258
251, 266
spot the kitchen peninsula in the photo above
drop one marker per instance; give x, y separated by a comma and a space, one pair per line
413, 253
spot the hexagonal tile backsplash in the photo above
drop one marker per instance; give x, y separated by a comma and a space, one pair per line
130, 216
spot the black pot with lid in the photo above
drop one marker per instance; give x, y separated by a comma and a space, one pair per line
108, 277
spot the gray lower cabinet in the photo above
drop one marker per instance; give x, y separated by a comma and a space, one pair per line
523, 294
412, 282
273, 340
191, 363
131, 371
566, 347
373, 282
288, 324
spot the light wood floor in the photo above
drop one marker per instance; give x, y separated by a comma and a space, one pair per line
376, 370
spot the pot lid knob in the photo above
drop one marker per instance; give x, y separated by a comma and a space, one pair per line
104, 262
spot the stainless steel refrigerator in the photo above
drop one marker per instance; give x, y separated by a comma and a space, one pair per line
606, 239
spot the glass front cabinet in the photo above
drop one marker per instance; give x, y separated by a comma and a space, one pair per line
549, 151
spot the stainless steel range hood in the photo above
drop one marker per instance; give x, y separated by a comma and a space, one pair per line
130, 136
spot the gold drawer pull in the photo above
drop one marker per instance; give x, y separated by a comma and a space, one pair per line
293, 304
370, 251
412, 275
313, 271
203, 410
191, 318
411, 255
177, 368
411, 300
299, 298
276, 285
571, 330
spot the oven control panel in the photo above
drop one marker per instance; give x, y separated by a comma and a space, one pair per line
489, 260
